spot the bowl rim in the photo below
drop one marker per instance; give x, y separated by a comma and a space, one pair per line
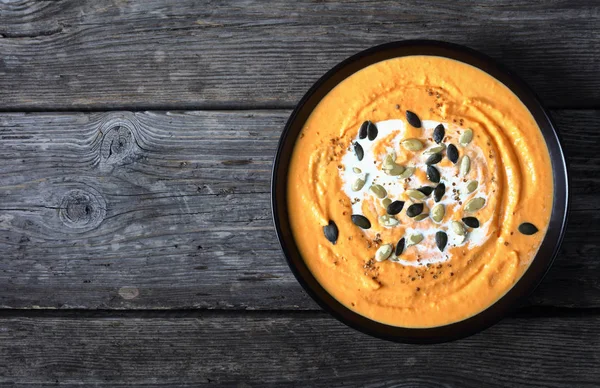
543, 259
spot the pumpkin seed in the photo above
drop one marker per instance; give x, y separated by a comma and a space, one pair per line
331, 232
433, 159
458, 228
413, 119
388, 162
438, 212
400, 246
412, 144
427, 190
421, 216
395, 207
474, 204
414, 210
395, 170
394, 258
435, 149
466, 137
388, 221
372, 131
452, 153
383, 252
361, 221
378, 190
356, 170
414, 239
439, 192
386, 202
441, 239
465, 165
415, 194
433, 174
471, 186
438, 133
362, 132
528, 228
360, 153
471, 222
408, 171
358, 184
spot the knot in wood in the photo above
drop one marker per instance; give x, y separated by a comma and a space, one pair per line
117, 144
80, 209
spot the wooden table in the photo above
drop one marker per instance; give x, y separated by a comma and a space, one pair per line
136, 241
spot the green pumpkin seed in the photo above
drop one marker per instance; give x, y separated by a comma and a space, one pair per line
466, 137
361, 221
356, 170
408, 171
458, 228
416, 194
441, 239
386, 202
528, 229
414, 239
474, 204
433, 159
414, 210
331, 232
383, 252
465, 165
438, 212
378, 190
387, 220
388, 162
421, 216
358, 184
395, 170
412, 144
400, 246
435, 149
471, 186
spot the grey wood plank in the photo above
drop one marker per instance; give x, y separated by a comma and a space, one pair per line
171, 210
309, 349
159, 54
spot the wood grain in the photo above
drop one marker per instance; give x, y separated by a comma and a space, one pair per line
274, 350
159, 54
171, 210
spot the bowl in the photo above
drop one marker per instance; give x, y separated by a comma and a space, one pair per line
524, 286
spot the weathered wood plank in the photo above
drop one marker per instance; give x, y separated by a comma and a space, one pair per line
308, 349
159, 54
171, 210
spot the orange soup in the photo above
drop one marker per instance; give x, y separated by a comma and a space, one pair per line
419, 191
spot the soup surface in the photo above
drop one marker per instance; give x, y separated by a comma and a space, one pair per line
419, 191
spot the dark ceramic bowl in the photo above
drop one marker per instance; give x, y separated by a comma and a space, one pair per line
548, 249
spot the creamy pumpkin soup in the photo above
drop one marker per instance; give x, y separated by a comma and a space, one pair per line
419, 191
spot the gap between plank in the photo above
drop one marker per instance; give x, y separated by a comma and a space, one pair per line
196, 107
524, 312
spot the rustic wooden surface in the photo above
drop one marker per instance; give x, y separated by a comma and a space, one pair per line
136, 241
